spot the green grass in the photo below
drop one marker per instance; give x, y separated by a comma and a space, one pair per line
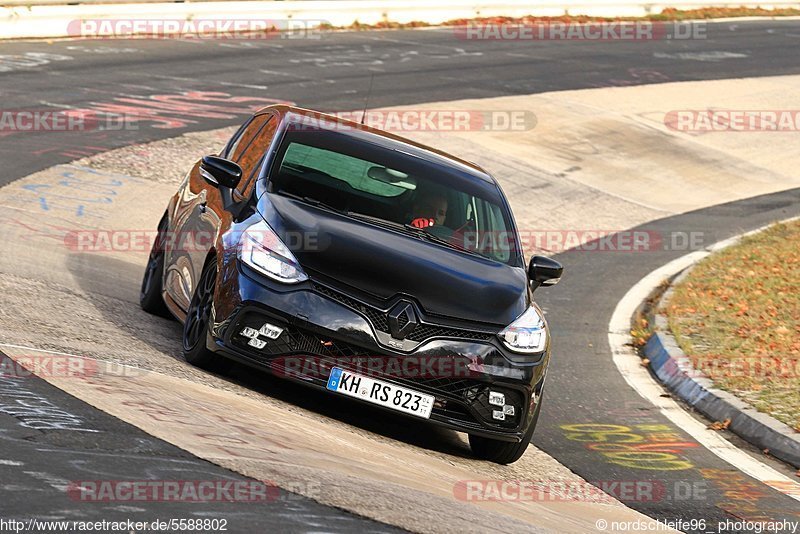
737, 315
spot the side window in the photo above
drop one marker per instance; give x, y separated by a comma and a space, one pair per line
252, 156
247, 137
235, 140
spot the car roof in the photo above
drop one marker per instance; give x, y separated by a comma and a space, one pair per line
380, 137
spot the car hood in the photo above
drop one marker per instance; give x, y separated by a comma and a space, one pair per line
386, 263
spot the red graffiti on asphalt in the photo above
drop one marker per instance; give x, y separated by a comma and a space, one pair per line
171, 111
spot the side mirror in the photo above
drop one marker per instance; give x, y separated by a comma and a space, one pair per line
220, 172
544, 271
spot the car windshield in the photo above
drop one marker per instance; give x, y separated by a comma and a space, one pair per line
388, 186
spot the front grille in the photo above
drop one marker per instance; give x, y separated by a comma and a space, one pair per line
310, 357
423, 332
426, 331
373, 314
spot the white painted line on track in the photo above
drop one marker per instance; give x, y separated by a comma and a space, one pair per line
230, 84
109, 362
638, 377
25, 347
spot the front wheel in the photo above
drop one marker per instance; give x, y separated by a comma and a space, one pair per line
198, 320
504, 452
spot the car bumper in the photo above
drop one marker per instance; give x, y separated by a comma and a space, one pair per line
321, 328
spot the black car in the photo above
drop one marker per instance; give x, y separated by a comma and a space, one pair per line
356, 261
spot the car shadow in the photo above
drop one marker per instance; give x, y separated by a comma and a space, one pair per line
111, 277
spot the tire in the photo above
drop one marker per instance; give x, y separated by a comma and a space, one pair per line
150, 295
196, 325
504, 452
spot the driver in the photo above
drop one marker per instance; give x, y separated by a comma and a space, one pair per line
430, 211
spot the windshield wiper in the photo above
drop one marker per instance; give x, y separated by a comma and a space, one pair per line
421, 232
375, 220
312, 201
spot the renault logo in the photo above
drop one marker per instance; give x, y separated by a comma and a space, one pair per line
402, 319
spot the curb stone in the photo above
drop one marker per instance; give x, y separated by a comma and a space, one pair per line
675, 370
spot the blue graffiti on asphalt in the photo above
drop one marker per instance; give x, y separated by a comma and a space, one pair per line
77, 193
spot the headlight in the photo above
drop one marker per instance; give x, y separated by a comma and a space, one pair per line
527, 334
261, 249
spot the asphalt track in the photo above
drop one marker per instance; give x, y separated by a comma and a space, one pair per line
584, 387
41, 471
333, 73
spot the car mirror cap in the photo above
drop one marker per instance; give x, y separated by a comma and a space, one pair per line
220, 172
544, 271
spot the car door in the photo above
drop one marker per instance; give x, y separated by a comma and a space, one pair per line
201, 214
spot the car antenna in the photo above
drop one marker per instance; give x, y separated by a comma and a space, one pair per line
366, 101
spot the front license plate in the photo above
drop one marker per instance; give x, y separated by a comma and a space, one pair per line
382, 393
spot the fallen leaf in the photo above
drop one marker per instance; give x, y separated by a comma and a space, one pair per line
720, 425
